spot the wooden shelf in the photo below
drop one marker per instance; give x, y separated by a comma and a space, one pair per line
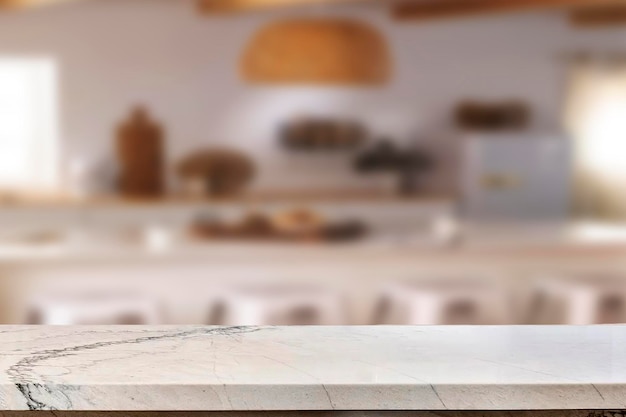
266, 197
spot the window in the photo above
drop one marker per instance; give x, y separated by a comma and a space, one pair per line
29, 148
597, 118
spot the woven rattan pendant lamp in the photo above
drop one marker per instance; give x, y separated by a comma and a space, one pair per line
317, 51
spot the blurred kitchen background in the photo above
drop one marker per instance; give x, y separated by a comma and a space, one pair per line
312, 162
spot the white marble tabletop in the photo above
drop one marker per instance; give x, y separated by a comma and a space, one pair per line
312, 368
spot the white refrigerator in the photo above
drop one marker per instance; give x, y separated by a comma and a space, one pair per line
516, 177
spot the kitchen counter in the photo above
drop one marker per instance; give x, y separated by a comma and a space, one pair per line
185, 276
312, 368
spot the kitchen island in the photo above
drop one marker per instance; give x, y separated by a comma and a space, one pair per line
280, 369
186, 279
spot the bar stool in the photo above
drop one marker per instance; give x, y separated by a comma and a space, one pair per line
280, 305
578, 299
444, 301
93, 308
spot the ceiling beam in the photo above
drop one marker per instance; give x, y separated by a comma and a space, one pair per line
440, 9
25, 4
239, 6
592, 17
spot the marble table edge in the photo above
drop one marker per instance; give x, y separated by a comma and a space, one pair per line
312, 397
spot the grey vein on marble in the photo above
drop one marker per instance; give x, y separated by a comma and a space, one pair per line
104, 368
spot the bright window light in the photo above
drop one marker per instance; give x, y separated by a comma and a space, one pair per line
604, 153
596, 116
29, 149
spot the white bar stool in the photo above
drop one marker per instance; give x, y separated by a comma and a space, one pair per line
281, 305
93, 308
578, 299
444, 301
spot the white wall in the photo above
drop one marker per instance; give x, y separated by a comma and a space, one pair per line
114, 53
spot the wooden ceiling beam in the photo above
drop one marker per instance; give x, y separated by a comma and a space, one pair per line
239, 6
440, 9
603, 16
25, 4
